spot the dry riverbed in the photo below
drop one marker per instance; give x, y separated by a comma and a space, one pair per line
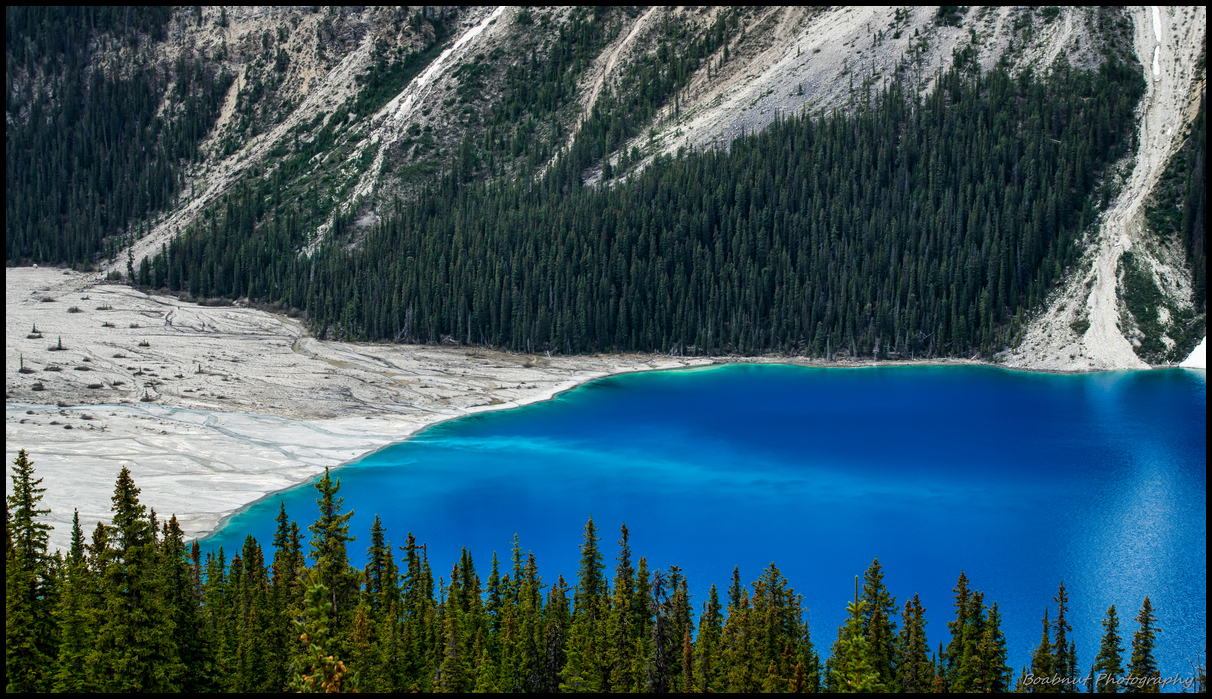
215, 407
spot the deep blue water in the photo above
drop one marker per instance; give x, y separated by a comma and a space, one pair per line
1021, 480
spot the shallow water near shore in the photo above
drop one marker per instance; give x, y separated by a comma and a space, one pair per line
1021, 480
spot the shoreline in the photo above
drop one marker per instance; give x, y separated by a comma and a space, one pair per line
225, 519
215, 408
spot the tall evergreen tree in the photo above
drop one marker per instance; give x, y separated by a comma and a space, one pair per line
75, 617
707, 645
1063, 646
135, 648
29, 655
1143, 676
879, 622
853, 669
1043, 663
915, 671
1109, 664
952, 657
329, 537
587, 668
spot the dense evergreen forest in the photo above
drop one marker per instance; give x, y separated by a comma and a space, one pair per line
136, 609
89, 153
903, 227
914, 228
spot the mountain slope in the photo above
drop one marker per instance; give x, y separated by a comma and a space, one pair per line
1170, 41
334, 115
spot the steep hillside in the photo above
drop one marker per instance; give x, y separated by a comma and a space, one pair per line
321, 122
1089, 322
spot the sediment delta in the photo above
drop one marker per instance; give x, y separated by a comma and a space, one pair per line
215, 407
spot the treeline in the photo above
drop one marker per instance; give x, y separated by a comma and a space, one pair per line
89, 154
909, 228
136, 609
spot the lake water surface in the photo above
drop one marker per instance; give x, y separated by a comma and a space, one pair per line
1021, 480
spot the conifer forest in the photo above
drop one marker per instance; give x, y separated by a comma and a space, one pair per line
134, 608
923, 229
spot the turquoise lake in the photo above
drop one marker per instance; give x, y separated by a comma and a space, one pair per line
1022, 480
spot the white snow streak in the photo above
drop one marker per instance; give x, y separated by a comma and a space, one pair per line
1198, 359
1157, 23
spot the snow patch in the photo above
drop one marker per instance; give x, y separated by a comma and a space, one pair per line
1157, 23
1198, 359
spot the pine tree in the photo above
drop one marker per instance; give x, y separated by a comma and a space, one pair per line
1143, 676
1109, 664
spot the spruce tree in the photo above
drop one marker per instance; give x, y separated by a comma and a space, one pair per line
75, 617
1143, 676
587, 668
1043, 663
1109, 664
590, 582
853, 669
879, 622
29, 653
24, 665
621, 630
707, 644
1064, 652
737, 642
135, 648
952, 657
28, 533
915, 671
972, 668
177, 577
325, 671
329, 537
998, 674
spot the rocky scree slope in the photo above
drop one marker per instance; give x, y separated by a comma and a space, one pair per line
346, 109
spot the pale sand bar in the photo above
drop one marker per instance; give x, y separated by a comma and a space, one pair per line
243, 403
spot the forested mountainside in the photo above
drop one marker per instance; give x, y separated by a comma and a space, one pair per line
134, 608
855, 181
